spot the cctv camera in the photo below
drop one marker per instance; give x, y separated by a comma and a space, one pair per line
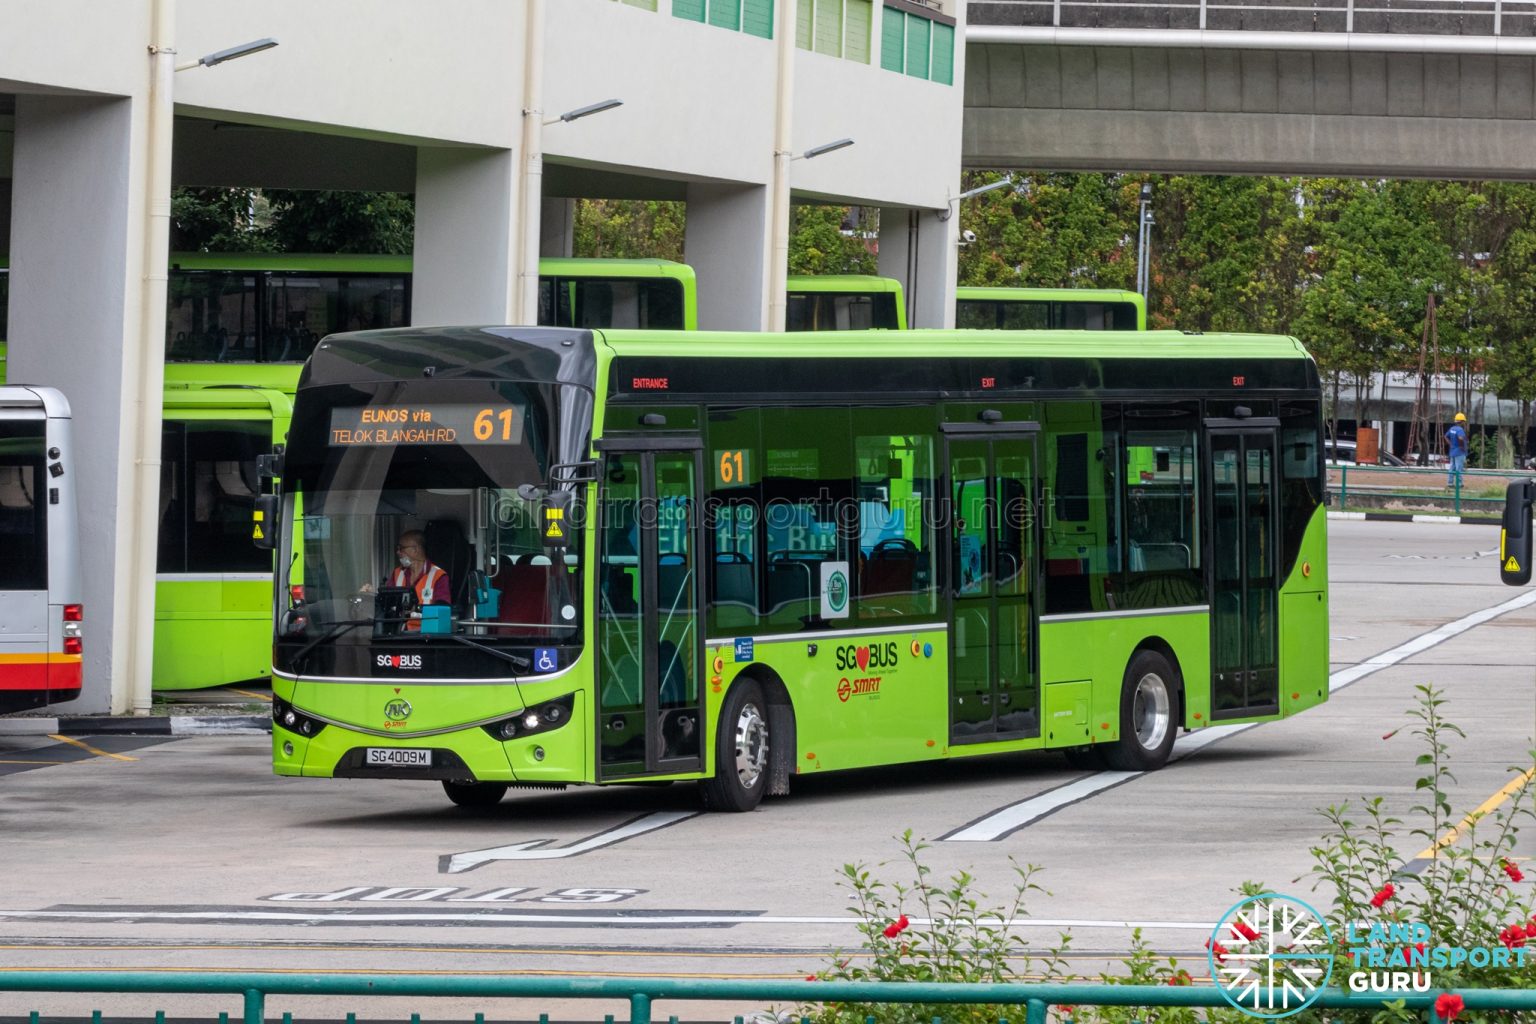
967, 237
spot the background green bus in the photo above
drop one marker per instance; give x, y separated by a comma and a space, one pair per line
844, 302
737, 557
1066, 309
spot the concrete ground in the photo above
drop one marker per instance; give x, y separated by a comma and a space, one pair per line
185, 852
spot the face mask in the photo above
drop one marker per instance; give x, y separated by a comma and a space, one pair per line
405, 563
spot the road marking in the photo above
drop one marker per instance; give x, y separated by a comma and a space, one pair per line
1452, 834
1002, 823
345, 916
539, 849
247, 693
90, 749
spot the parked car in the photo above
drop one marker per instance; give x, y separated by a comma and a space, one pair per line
1342, 453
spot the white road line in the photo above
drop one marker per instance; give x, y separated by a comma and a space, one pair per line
352, 916
1008, 820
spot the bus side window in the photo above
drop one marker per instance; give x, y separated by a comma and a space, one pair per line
896, 492
734, 569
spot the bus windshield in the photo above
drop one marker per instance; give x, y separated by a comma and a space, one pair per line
420, 514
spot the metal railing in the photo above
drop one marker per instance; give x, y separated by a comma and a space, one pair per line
641, 995
1425, 490
1492, 19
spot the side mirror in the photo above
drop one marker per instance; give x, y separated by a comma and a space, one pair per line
554, 518
1515, 534
264, 521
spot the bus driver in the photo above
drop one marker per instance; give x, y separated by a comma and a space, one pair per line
428, 581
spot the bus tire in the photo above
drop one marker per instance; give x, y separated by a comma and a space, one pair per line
741, 751
1148, 702
477, 795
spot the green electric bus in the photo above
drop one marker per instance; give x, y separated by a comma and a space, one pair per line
1064, 309
733, 558
844, 302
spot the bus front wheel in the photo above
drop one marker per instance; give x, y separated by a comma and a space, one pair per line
474, 794
1148, 703
741, 751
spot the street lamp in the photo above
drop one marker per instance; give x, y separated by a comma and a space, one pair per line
823, 149
233, 53
586, 111
1144, 242
991, 186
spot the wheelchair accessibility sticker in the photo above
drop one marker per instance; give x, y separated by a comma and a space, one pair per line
545, 659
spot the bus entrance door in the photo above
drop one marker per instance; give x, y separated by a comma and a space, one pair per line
1241, 563
994, 668
649, 701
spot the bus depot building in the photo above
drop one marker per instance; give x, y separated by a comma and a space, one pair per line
477, 109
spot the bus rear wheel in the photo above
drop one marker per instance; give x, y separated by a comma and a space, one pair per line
1148, 702
741, 752
475, 794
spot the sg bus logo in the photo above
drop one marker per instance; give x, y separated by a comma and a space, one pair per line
398, 661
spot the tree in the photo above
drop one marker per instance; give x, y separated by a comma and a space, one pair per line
216, 220
330, 221
629, 229
832, 240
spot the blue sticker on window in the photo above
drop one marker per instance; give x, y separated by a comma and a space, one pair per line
744, 649
545, 659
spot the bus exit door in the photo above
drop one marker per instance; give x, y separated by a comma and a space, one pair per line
1241, 561
994, 666
649, 647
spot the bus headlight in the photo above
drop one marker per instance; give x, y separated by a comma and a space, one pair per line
543, 716
286, 716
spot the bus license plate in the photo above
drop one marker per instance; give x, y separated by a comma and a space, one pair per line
397, 757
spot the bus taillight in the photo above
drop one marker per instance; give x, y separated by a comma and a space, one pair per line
74, 615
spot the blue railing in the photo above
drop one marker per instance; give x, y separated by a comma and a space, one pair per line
640, 995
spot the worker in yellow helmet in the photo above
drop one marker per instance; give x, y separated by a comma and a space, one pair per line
1456, 441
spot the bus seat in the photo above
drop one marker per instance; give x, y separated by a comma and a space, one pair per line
733, 583
13, 487
619, 590
524, 587
447, 548
1159, 556
789, 582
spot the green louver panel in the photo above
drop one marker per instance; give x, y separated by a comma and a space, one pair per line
943, 54
757, 18
917, 46
693, 10
829, 27
805, 23
858, 14
725, 13
893, 25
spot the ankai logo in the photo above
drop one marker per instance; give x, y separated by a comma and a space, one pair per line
397, 710
1271, 955
412, 661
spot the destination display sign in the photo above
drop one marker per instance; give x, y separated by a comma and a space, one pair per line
417, 423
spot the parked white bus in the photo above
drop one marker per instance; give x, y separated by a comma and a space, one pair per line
40, 585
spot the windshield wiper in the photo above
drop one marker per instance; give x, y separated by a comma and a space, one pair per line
520, 663
330, 634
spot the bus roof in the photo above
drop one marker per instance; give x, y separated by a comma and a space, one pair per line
1058, 294
23, 396
842, 283
951, 343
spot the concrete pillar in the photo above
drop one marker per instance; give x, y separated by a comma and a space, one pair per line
727, 244
557, 227
76, 268
467, 237
919, 250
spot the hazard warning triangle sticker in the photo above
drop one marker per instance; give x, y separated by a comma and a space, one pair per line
1511, 565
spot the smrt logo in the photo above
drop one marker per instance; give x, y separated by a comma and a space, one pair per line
398, 661
857, 688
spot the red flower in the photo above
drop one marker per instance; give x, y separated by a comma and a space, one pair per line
1530, 930
1382, 895
897, 926
1067, 1011
1513, 871
1218, 951
1244, 930
1448, 1006
1182, 978
810, 977
1513, 936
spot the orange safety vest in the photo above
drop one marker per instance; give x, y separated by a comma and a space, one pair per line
425, 584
